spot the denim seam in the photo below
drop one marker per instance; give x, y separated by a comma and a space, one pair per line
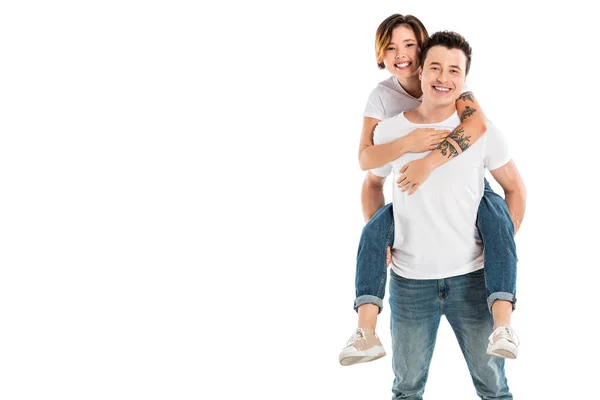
440, 298
387, 243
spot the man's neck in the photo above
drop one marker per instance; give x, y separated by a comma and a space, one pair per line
426, 113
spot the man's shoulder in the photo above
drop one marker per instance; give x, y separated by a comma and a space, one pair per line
391, 128
491, 127
396, 121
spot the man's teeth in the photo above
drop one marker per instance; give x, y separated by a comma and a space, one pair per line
441, 89
403, 65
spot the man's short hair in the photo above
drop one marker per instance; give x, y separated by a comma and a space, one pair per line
450, 40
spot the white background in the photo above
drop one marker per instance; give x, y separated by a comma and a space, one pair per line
180, 195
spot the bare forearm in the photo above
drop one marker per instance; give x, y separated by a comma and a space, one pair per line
516, 207
470, 130
376, 156
372, 199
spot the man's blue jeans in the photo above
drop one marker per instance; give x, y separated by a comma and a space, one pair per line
416, 309
496, 231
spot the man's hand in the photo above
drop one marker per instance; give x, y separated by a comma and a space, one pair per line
414, 173
425, 139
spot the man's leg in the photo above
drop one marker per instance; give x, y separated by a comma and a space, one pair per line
467, 312
496, 231
415, 318
371, 276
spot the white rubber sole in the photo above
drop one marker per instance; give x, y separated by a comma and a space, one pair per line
507, 351
352, 357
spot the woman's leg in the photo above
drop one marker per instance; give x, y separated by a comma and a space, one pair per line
371, 277
496, 231
371, 267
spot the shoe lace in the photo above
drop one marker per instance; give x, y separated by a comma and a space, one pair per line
358, 334
504, 332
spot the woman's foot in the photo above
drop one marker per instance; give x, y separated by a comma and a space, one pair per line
363, 346
503, 342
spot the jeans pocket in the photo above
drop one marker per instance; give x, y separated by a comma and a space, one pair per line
397, 277
477, 274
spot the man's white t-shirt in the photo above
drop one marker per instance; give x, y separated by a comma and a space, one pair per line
389, 99
435, 232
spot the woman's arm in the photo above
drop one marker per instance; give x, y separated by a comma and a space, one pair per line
371, 196
371, 156
470, 130
374, 156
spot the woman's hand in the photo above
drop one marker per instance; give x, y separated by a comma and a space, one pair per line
413, 174
425, 139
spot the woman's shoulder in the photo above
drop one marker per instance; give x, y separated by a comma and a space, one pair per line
389, 84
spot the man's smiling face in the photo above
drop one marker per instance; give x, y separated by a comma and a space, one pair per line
443, 75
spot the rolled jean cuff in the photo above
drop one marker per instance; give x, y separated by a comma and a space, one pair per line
501, 296
368, 299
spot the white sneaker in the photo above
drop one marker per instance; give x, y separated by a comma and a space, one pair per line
361, 347
503, 342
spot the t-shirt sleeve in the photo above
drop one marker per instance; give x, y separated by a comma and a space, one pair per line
379, 138
374, 107
497, 153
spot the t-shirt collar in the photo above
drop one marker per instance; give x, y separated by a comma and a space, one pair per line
401, 89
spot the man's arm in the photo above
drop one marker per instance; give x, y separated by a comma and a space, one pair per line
514, 191
372, 197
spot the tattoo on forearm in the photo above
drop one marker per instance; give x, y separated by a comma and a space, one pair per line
467, 96
455, 143
458, 136
467, 113
447, 149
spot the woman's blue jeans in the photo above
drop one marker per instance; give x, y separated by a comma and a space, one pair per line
496, 231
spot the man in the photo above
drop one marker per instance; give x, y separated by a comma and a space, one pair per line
437, 254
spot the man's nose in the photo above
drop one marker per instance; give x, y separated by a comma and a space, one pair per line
443, 76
